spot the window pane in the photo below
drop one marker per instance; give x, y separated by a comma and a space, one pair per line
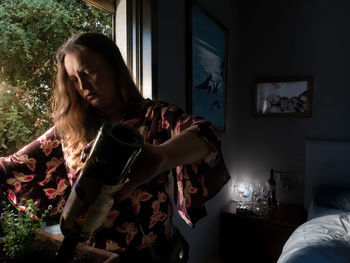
121, 28
31, 32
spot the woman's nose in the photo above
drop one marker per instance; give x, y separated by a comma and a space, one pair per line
83, 84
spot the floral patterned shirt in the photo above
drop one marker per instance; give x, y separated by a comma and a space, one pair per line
38, 172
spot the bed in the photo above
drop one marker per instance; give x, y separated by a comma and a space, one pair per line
325, 236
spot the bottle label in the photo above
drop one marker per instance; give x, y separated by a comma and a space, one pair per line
71, 209
82, 195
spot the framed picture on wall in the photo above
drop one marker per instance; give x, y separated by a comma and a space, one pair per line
283, 96
207, 66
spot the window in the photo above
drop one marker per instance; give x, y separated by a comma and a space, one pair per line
133, 33
134, 29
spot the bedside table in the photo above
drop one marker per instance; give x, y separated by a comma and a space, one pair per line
249, 238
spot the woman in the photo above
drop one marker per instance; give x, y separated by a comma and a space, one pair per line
93, 85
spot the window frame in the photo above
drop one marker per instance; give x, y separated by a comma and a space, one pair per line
141, 31
140, 40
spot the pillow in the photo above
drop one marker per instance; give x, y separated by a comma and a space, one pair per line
332, 196
318, 211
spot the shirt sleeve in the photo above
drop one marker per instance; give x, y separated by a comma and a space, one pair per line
198, 182
37, 172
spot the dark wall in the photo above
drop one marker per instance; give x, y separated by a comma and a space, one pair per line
292, 37
172, 84
266, 38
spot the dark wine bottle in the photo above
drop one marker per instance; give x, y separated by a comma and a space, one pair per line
113, 153
272, 189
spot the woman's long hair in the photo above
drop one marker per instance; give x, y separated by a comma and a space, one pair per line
76, 121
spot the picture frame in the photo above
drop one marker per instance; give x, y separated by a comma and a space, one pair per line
207, 66
283, 96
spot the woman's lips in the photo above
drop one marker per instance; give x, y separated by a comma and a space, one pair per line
90, 96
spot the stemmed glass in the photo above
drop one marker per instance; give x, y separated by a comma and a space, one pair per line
257, 191
240, 189
244, 193
257, 194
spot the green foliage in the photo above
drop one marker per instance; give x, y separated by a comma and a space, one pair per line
20, 227
31, 32
20, 119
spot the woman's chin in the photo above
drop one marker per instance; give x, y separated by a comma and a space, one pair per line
95, 103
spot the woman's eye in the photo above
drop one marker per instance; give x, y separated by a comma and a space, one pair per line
88, 71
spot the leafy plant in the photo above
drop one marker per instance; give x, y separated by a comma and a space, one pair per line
20, 121
19, 226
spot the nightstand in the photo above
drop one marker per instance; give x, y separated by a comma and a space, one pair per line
249, 238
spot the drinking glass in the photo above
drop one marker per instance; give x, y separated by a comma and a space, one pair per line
257, 192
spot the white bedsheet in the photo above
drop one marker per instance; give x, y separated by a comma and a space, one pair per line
324, 239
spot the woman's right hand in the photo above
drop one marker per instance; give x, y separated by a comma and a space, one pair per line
148, 165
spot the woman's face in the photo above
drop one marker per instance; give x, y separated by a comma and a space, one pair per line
93, 78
